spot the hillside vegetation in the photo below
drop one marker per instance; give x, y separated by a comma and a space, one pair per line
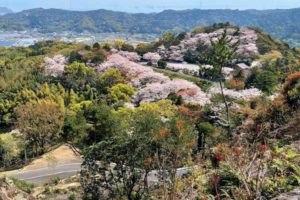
208, 114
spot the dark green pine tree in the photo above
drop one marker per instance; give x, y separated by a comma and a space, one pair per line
221, 55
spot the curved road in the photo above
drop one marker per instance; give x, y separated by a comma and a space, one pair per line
44, 175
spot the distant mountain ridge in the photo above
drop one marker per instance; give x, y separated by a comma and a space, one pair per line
283, 24
4, 10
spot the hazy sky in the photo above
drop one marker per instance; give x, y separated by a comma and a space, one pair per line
148, 5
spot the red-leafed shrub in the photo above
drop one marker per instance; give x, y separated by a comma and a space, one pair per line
291, 90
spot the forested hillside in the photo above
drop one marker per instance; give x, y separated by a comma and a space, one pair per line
280, 23
208, 114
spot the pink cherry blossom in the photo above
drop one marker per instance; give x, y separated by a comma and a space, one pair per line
152, 57
148, 78
153, 86
131, 69
242, 94
55, 66
132, 56
247, 47
157, 91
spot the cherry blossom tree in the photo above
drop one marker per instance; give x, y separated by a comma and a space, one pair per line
148, 78
131, 56
246, 38
55, 66
241, 94
156, 91
153, 86
152, 57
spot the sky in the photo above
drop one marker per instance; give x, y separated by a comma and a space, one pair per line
149, 5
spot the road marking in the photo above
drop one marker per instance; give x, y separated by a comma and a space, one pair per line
34, 170
36, 177
152, 173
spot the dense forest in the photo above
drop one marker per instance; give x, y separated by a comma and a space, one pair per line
279, 23
129, 115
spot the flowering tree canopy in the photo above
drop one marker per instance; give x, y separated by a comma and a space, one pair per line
153, 86
157, 91
246, 37
55, 66
152, 57
132, 56
242, 94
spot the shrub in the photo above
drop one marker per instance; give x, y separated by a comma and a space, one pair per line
190, 57
143, 48
22, 185
75, 56
55, 181
78, 75
106, 46
291, 89
263, 80
108, 79
177, 100
11, 147
40, 123
127, 47
196, 30
284, 174
72, 197
205, 129
96, 45
162, 64
99, 58
169, 39
235, 84
122, 92
47, 190
87, 47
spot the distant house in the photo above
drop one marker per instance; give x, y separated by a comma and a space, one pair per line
245, 69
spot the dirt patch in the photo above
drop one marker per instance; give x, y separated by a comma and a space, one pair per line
62, 155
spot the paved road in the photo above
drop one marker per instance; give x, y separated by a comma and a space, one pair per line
44, 175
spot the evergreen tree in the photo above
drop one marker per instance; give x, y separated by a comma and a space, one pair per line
222, 53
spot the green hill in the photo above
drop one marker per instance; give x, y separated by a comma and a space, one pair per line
282, 24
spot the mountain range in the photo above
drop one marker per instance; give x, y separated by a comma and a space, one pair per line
281, 23
4, 11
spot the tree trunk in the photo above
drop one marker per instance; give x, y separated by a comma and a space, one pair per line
229, 133
25, 155
173, 186
201, 143
146, 187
